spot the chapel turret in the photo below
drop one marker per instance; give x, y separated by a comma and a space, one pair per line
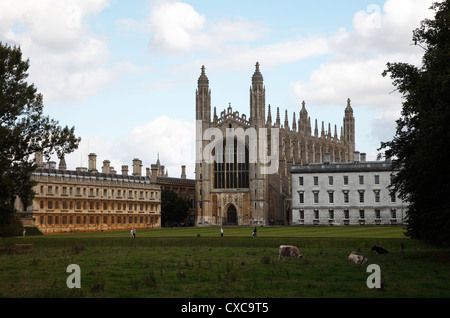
257, 99
203, 97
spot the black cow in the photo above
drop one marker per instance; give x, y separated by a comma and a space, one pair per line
379, 250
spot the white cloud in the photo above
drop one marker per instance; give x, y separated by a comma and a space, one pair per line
270, 55
67, 60
275, 54
224, 44
359, 56
176, 27
359, 80
172, 139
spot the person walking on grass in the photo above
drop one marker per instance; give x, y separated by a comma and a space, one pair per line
221, 232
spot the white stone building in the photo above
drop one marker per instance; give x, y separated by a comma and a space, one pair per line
349, 193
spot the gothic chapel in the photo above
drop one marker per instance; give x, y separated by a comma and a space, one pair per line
234, 190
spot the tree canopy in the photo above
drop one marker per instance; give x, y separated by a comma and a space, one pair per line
173, 208
24, 130
420, 148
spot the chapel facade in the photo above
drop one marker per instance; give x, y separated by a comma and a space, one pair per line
243, 164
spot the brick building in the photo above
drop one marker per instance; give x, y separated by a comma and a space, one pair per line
88, 200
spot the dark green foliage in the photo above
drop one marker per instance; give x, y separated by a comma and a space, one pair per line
24, 130
421, 145
32, 231
10, 224
174, 209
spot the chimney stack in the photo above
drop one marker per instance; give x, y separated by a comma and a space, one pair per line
105, 168
51, 165
124, 170
92, 162
137, 165
38, 158
356, 156
154, 169
363, 157
183, 172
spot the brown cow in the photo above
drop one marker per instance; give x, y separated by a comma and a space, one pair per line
357, 258
289, 250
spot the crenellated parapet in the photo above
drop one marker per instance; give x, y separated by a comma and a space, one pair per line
228, 114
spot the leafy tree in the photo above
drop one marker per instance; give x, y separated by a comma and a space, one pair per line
421, 146
173, 208
24, 130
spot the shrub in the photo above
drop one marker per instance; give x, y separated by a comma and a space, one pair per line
10, 226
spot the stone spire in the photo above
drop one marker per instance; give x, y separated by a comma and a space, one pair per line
316, 130
215, 118
269, 117
303, 111
277, 121
203, 79
303, 119
257, 99
203, 98
349, 130
257, 77
286, 122
294, 124
348, 109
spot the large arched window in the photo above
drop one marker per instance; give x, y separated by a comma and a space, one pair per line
232, 172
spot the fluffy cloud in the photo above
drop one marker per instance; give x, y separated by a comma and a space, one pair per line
360, 80
359, 56
172, 139
67, 58
176, 26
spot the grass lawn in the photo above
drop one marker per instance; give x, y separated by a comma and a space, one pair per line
177, 263
272, 231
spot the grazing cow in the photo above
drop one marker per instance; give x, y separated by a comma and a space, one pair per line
289, 250
357, 258
379, 250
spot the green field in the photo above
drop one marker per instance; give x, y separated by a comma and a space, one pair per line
198, 263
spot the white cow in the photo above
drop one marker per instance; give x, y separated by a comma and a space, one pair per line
289, 250
357, 258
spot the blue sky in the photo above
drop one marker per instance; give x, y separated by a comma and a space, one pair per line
124, 73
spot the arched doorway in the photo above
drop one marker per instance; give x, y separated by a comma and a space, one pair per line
231, 215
